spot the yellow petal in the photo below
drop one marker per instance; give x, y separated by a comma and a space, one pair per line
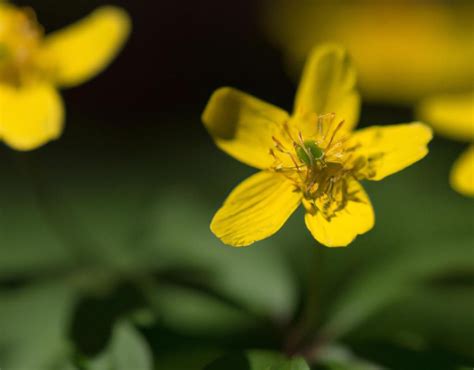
84, 49
256, 209
328, 86
356, 218
462, 174
243, 126
450, 115
30, 116
389, 149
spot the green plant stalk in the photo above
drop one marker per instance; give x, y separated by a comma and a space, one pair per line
307, 323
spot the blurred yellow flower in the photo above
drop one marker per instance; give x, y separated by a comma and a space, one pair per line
403, 50
452, 115
32, 66
311, 157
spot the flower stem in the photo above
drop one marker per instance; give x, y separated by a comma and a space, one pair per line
307, 323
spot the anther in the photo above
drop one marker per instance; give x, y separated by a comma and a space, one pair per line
338, 127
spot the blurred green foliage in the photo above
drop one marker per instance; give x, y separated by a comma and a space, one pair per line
258, 360
107, 262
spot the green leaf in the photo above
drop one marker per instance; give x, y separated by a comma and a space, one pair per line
186, 358
29, 242
413, 324
339, 357
258, 360
241, 274
391, 281
126, 351
33, 322
93, 203
66, 366
192, 312
395, 356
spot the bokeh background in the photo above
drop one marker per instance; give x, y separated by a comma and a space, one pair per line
106, 258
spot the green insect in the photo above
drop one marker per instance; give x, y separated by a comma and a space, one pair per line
309, 152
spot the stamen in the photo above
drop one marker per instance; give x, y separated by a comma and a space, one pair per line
320, 126
280, 147
288, 132
322, 119
338, 127
320, 175
304, 154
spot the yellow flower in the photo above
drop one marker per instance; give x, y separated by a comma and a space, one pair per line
452, 115
32, 66
403, 50
311, 157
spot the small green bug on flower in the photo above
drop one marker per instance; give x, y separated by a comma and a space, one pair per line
309, 152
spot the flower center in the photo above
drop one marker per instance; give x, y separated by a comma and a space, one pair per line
317, 165
20, 37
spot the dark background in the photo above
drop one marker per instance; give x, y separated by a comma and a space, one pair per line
178, 53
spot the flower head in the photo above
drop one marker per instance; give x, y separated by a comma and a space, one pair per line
311, 157
452, 115
32, 65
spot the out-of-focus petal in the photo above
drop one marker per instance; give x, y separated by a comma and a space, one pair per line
30, 116
450, 115
462, 174
403, 50
83, 49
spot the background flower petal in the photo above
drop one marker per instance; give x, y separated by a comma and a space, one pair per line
328, 85
30, 116
451, 115
84, 49
356, 218
396, 45
462, 174
255, 210
389, 149
243, 126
